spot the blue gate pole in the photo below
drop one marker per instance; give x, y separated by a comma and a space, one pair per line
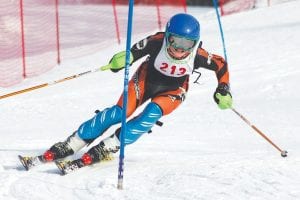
125, 96
220, 27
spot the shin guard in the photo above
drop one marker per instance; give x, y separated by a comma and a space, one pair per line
142, 123
95, 127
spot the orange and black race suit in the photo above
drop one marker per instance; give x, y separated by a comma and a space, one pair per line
166, 83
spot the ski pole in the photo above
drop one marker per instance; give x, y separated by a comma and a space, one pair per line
53, 82
283, 152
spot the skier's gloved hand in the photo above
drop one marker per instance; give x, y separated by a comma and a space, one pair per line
222, 96
117, 62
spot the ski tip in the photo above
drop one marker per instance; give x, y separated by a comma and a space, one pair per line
23, 161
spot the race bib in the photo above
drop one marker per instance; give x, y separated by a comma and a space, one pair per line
171, 67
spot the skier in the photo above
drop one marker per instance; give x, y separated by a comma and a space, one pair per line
162, 78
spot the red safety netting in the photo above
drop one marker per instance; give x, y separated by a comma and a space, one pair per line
28, 41
40, 36
105, 22
232, 6
86, 29
11, 68
35, 35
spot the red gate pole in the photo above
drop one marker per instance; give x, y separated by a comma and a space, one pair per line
57, 31
116, 21
22, 38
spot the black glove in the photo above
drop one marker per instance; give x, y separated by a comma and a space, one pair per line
222, 96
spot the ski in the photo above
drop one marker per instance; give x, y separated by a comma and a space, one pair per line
66, 167
29, 162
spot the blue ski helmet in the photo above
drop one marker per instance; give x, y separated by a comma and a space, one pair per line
184, 25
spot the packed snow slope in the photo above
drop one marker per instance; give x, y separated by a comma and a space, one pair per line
201, 152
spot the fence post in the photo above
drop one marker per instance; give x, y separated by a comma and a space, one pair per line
158, 14
116, 21
22, 38
184, 5
57, 31
221, 2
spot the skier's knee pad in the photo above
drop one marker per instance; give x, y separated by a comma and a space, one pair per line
94, 127
142, 123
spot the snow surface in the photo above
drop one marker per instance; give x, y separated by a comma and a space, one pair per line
201, 152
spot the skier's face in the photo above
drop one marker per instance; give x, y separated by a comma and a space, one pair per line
177, 53
179, 42
179, 47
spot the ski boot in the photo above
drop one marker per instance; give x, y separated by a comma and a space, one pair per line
101, 152
58, 151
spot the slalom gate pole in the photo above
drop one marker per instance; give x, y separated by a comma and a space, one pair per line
283, 152
220, 27
125, 96
50, 83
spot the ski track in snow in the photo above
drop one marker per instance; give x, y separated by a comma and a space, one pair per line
200, 152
